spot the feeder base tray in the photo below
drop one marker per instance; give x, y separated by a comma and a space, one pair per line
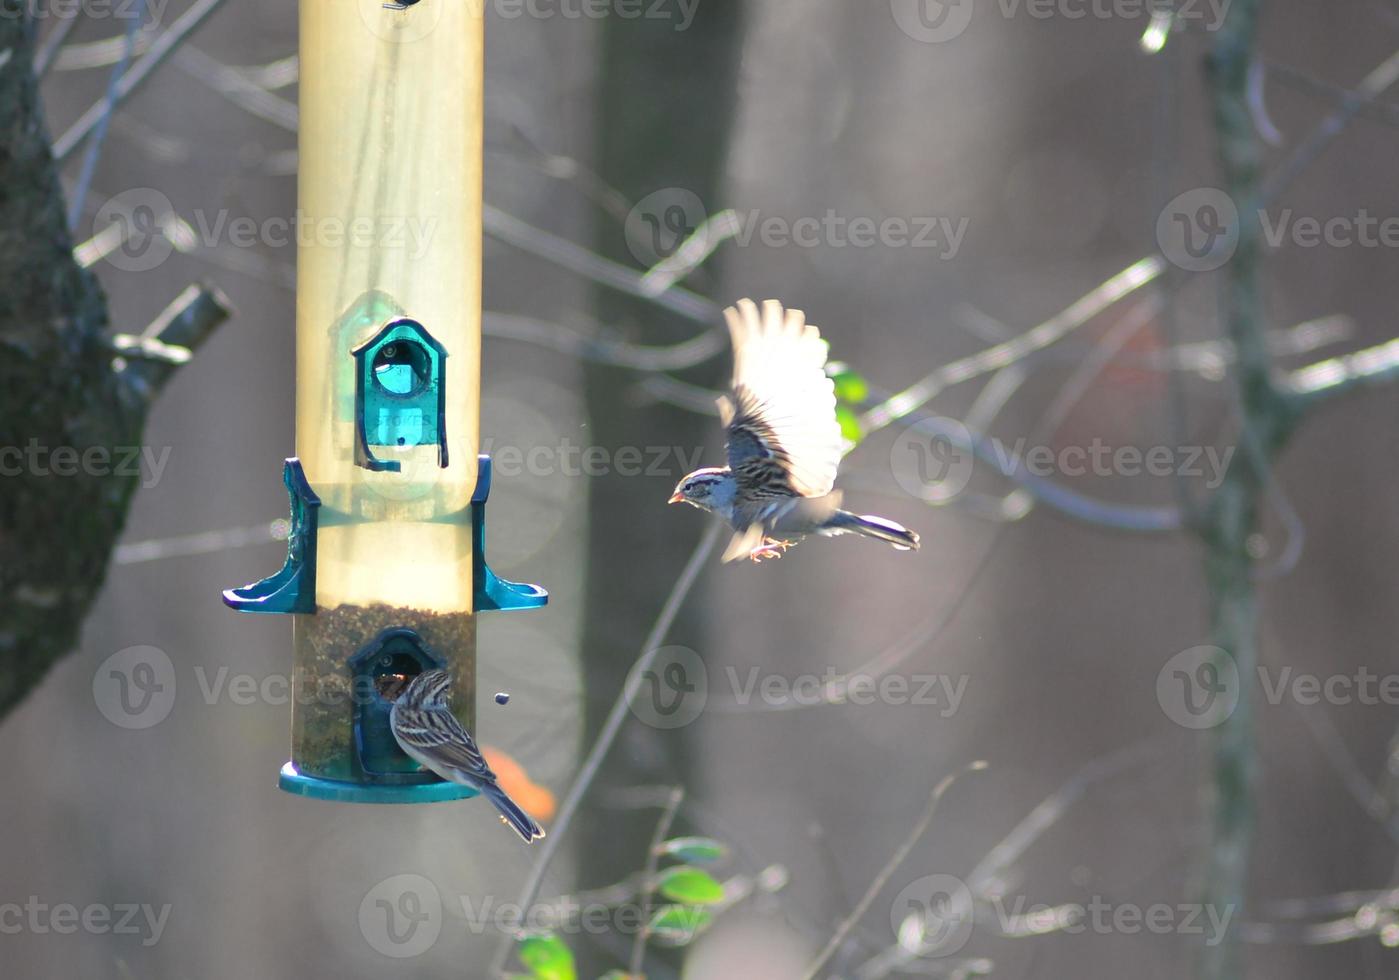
341, 792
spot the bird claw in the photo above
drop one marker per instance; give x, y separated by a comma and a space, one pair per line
770, 548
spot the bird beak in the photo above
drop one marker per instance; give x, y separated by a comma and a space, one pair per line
675, 498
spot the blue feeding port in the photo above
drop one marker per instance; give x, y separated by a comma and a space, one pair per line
400, 394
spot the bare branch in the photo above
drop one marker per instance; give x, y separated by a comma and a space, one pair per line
81, 56
185, 324
133, 78
578, 259
1384, 112
1371, 367
44, 57
692, 253
888, 659
94, 147
648, 878
607, 350
240, 89
887, 872
616, 718
198, 543
1371, 88
994, 358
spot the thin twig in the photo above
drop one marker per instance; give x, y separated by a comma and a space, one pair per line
81, 56
1057, 327
1375, 84
1384, 112
132, 79
837, 690
611, 727
236, 86
648, 881
988, 879
1021, 501
1340, 375
199, 543
1340, 904
692, 253
991, 871
511, 230
887, 872
99, 135
44, 57
604, 349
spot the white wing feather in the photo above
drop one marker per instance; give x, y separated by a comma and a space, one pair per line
779, 360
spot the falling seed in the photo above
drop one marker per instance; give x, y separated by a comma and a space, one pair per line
502, 698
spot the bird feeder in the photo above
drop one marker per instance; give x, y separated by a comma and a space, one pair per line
385, 567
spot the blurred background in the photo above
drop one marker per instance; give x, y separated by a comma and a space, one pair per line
925, 182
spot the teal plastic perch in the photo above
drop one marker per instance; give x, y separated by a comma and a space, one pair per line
293, 589
491, 591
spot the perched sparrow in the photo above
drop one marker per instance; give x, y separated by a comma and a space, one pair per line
431, 735
784, 443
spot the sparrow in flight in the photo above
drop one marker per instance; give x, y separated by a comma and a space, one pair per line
784, 443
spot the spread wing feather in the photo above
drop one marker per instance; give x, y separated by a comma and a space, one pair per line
783, 437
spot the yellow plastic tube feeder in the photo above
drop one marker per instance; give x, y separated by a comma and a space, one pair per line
385, 570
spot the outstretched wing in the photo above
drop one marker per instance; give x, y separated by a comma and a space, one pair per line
783, 437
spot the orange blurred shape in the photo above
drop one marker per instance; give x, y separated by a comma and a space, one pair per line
537, 800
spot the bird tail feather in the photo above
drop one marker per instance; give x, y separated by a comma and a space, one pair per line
517, 819
874, 527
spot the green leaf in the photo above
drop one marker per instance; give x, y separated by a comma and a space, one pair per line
547, 958
694, 850
851, 387
618, 975
689, 885
849, 423
677, 925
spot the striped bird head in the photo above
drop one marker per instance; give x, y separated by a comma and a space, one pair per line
428, 690
708, 489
